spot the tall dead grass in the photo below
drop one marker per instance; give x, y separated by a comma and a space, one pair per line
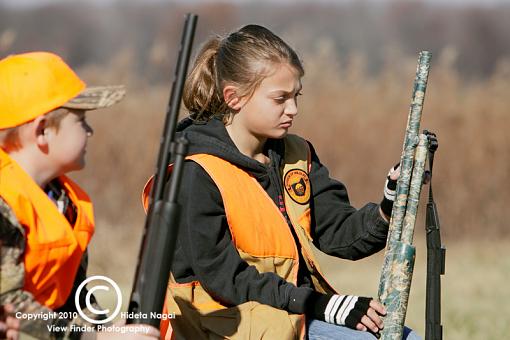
356, 123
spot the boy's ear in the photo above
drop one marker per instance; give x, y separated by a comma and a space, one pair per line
40, 130
231, 98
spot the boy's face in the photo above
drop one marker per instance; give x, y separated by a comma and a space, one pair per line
67, 144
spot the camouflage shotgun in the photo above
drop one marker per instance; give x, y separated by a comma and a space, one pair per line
399, 258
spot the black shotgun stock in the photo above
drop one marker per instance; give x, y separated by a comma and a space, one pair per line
160, 232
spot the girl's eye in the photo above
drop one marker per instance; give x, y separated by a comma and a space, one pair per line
282, 99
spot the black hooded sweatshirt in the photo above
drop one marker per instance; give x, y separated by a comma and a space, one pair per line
205, 251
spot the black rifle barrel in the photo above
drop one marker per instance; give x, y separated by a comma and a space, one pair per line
436, 256
160, 232
435, 268
174, 105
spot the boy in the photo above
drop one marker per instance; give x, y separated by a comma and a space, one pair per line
47, 219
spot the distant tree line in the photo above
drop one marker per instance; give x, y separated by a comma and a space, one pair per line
85, 33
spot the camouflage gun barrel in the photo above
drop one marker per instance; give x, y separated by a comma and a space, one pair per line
398, 263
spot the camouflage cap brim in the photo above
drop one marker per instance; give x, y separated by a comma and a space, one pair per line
96, 97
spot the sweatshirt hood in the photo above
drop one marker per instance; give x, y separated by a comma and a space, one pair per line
211, 137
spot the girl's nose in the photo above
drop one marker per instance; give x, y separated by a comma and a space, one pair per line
291, 107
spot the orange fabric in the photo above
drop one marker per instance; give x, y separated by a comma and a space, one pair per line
239, 190
305, 221
260, 235
32, 84
164, 325
146, 193
53, 247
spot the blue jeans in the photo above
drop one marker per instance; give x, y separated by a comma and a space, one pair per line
320, 330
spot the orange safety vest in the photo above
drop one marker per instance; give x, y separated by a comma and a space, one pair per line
263, 239
54, 248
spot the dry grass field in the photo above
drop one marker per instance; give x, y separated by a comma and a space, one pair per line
353, 112
474, 293
356, 123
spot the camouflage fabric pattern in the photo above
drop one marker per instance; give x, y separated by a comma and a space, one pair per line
11, 249
12, 246
415, 190
12, 236
396, 296
97, 97
395, 258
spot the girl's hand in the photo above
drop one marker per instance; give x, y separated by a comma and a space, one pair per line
356, 312
372, 321
389, 192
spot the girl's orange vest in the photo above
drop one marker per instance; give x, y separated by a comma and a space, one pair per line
263, 239
54, 248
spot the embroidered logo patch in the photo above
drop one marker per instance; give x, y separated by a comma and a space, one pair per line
297, 185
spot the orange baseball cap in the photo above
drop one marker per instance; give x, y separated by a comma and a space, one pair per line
33, 84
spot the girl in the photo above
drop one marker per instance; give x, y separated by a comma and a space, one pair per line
254, 199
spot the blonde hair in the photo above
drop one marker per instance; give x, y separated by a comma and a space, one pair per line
243, 58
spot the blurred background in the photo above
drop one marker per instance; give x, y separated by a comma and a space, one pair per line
360, 59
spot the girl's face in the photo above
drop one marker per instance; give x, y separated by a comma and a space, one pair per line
270, 111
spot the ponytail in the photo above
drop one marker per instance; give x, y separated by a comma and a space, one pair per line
201, 94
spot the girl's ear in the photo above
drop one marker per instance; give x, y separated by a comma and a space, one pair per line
231, 98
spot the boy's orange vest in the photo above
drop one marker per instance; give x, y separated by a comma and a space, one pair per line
263, 239
53, 247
